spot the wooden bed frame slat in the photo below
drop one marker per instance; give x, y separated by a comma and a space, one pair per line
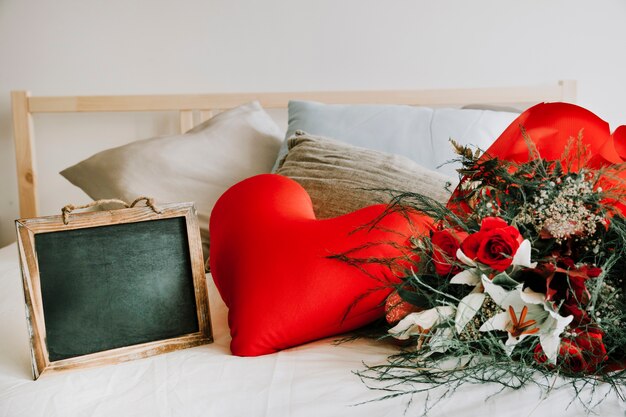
509, 95
210, 104
23, 134
186, 120
205, 115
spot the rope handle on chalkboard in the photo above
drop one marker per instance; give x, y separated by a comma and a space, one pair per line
65, 211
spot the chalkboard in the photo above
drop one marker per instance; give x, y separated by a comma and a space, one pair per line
125, 281
129, 284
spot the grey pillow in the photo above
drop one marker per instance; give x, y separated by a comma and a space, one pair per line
196, 166
341, 178
419, 133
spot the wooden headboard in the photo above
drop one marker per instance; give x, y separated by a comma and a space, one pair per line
194, 109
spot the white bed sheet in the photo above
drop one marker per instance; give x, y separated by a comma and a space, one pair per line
312, 380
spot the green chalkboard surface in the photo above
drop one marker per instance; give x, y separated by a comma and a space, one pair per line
116, 285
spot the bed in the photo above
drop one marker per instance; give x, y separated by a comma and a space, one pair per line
313, 379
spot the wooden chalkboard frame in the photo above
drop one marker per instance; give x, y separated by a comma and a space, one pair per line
27, 231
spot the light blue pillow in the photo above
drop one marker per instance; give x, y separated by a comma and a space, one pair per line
418, 133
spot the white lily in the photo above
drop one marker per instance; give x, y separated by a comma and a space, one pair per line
420, 323
438, 341
468, 307
526, 314
522, 256
471, 276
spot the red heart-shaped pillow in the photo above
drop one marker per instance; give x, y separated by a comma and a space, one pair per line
270, 259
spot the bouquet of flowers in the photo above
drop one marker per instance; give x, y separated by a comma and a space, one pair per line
521, 277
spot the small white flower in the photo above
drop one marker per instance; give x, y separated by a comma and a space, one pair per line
562, 213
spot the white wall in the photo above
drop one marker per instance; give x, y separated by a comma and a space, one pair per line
57, 47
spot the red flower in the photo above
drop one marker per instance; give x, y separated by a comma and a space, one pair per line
569, 282
584, 352
396, 308
494, 244
445, 244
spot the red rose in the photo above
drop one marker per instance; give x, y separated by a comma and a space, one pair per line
494, 244
445, 244
584, 352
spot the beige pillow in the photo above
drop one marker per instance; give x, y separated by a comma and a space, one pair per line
341, 178
197, 166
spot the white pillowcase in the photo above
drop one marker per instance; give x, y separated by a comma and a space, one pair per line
197, 166
418, 133
466, 126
